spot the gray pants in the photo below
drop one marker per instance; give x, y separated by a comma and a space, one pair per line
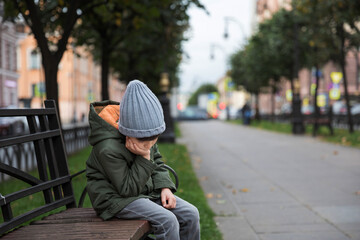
181, 222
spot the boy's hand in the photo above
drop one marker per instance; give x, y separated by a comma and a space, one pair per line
135, 146
168, 199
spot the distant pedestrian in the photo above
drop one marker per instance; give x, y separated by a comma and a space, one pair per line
246, 114
125, 173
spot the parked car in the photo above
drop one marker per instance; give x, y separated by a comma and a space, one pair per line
193, 113
355, 109
286, 108
12, 125
339, 108
307, 110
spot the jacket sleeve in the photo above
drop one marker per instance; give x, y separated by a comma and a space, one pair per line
160, 176
128, 179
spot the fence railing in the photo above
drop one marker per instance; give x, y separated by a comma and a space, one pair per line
22, 156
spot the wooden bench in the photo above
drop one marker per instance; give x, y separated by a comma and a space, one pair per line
55, 184
320, 120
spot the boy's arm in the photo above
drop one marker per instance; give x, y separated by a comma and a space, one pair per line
160, 176
128, 181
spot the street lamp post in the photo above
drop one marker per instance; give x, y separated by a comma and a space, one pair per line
168, 135
227, 20
297, 118
214, 46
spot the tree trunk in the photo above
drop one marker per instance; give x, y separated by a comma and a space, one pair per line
257, 111
316, 108
357, 70
343, 65
50, 65
273, 102
105, 61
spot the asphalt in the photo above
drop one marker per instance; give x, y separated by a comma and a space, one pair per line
269, 186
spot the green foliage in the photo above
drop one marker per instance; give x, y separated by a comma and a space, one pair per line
140, 40
269, 54
205, 88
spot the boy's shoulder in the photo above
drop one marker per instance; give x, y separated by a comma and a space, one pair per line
110, 145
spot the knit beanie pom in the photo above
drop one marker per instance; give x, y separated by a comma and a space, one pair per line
141, 114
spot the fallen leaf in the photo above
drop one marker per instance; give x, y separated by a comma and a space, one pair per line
204, 178
209, 195
244, 190
234, 191
31, 197
229, 186
218, 196
197, 159
343, 140
336, 152
220, 201
181, 190
357, 193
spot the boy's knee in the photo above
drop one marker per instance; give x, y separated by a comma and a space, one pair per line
192, 214
171, 223
195, 213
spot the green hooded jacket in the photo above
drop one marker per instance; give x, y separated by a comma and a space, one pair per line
115, 176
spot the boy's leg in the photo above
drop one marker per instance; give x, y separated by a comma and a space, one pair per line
189, 219
164, 223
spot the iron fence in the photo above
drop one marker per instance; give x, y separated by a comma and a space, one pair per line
22, 156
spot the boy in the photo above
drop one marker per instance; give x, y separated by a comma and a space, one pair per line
125, 177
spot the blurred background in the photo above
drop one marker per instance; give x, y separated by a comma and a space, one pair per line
281, 59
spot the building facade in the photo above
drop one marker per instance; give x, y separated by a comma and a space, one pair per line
8, 74
79, 80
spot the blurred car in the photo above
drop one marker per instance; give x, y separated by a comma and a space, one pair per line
307, 110
339, 108
286, 108
193, 113
12, 125
355, 109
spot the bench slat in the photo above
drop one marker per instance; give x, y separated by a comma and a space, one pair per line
81, 223
6, 226
26, 112
37, 188
28, 138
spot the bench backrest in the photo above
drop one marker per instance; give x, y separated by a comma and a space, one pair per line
54, 180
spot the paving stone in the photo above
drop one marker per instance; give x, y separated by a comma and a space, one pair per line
235, 228
304, 236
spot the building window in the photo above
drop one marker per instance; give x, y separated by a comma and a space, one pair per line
34, 60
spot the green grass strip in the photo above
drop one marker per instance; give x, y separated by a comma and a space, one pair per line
341, 136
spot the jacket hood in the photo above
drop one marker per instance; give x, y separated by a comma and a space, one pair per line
103, 119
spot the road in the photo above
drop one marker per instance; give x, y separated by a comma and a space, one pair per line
270, 186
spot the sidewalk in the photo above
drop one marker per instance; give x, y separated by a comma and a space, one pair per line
270, 186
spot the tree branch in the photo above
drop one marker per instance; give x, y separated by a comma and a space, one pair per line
37, 27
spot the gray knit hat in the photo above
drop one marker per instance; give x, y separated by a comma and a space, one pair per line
141, 114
